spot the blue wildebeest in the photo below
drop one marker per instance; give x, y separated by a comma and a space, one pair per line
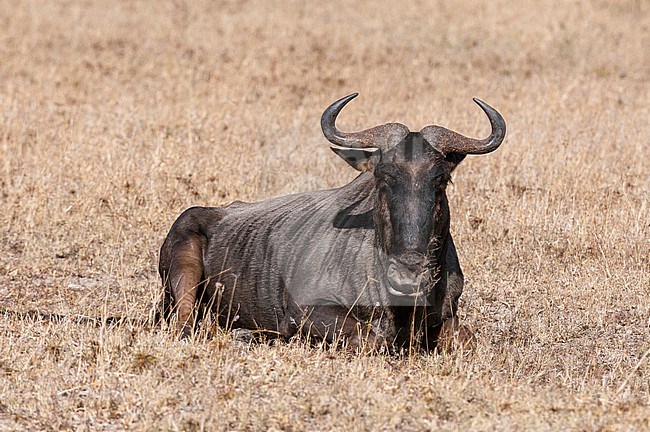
370, 262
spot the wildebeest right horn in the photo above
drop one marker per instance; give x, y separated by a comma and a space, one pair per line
380, 137
447, 141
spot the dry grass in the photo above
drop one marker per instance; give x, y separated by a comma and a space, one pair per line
115, 116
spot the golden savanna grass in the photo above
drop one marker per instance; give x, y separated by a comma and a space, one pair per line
116, 116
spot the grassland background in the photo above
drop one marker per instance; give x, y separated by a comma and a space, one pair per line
116, 116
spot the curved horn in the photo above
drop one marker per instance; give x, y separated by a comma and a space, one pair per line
328, 123
447, 141
380, 137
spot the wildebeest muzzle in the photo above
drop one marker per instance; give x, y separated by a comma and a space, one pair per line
407, 275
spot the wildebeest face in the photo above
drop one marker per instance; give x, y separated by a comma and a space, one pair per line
411, 171
411, 211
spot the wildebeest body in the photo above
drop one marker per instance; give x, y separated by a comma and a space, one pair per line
373, 260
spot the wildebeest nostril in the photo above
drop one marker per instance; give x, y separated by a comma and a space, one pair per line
413, 261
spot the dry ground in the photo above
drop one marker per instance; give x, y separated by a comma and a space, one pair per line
115, 116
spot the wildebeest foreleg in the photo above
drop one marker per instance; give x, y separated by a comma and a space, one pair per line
318, 323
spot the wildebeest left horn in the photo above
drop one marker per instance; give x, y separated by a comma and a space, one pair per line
447, 141
380, 137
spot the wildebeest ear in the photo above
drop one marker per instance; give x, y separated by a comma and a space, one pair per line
361, 159
453, 159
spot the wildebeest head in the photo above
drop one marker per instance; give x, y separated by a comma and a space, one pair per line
411, 171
